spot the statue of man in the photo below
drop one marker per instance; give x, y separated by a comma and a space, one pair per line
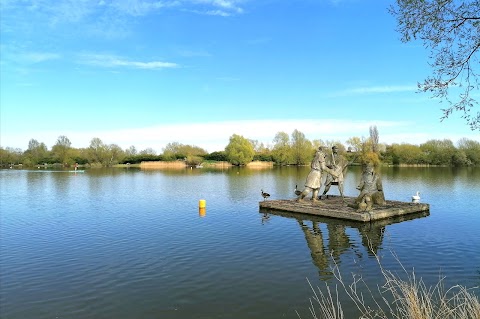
371, 190
337, 163
314, 178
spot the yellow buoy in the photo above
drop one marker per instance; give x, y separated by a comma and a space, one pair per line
202, 203
202, 211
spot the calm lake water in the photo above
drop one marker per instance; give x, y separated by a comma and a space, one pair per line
127, 243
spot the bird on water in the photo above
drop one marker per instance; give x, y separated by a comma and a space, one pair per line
265, 195
417, 196
296, 191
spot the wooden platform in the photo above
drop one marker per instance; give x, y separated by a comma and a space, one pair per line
334, 208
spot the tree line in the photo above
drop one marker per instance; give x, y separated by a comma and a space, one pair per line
286, 149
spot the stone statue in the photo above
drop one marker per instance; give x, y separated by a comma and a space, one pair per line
371, 190
314, 178
337, 163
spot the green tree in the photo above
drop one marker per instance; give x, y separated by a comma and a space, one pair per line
220, 156
62, 150
10, 155
302, 149
438, 152
354, 144
98, 151
115, 154
239, 150
451, 30
177, 150
407, 154
36, 153
282, 151
471, 149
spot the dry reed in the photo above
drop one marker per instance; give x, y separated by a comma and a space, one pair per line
408, 298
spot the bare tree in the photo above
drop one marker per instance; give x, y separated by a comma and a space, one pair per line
374, 138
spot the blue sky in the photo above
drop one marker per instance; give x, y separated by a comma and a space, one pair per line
146, 73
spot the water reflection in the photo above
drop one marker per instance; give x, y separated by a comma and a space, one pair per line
327, 238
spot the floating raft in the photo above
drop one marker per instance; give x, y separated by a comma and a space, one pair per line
334, 208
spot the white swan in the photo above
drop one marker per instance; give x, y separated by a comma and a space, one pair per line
417, 196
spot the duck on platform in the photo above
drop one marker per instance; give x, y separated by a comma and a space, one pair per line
416, 197
296, 191
265, 195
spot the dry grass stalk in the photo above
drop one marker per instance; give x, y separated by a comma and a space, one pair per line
399, 298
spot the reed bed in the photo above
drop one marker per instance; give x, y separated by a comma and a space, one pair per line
400, 297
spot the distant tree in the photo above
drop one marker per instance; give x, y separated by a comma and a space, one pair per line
177, 150
98, 151
302, 149
217, 156
239, 150
406, 154
317, 143
374, 138
131, 151
37, 152
355, 143
471, 149
10, 155
282, 150
62, 150
115, 154
451, 31
148, 151
438, 152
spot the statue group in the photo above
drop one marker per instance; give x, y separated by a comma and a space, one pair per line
334, 166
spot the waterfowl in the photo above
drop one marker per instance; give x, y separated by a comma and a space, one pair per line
417, 196
265, 195
296, 191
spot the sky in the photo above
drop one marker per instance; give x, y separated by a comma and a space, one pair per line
146, 73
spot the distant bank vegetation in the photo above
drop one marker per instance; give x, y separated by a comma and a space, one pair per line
285, 149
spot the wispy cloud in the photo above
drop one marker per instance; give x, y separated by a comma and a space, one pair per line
113, 61
224, 8
376, 89
37, 57
105, 18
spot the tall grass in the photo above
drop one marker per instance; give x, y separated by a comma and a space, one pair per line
399, 297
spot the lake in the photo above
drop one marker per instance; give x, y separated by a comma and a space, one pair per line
131, 243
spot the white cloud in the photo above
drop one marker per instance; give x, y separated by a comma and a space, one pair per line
377, 89
212, 136
112, 61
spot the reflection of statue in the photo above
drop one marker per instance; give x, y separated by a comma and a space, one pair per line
338, 164
372, 237
314, 178
314, 240
338, 240
371, 190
